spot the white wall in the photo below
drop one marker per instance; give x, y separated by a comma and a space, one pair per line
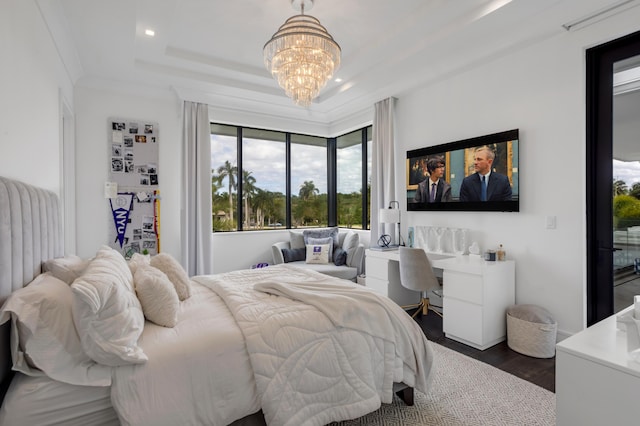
540, 90
33, 82
94, 107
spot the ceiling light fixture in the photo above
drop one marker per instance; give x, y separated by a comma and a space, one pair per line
302, 56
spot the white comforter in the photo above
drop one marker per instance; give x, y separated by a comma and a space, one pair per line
322, 349
198, 372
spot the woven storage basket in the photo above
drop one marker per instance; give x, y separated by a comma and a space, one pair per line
531, 330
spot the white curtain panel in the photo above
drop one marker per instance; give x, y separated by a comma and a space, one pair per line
196, 220
383, 181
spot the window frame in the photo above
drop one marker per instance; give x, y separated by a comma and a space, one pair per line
332, 196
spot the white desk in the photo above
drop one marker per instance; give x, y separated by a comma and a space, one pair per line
596, 382
476, 293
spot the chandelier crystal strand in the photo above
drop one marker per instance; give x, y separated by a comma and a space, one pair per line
302, 56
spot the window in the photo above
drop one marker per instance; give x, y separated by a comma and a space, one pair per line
353, 184
264, 178
288, 179
309, 181
224, 175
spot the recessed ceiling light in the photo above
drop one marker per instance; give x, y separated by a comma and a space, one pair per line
338, 80
150, 33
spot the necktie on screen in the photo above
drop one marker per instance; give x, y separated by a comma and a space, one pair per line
483, 193
433, 192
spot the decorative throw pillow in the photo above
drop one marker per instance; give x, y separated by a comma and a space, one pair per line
318, 253
321, 233
350, 244
317, 241
296, 240
339, 257
106, 311
294, 255
138, 260
157, 296
44, 340
66, 268
177, 275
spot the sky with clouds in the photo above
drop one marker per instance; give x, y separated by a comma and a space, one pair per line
266, 162
627, 171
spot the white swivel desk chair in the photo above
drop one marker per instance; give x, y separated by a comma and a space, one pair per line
417, 274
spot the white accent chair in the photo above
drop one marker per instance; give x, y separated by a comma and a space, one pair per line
417, 274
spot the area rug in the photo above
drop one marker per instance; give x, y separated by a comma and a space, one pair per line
468, 392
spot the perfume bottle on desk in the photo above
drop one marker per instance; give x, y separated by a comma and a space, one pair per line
501, 254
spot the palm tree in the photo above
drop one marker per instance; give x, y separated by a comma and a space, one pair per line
263, 203
230, 172
248, 191
619, 187
635, 190
308, 190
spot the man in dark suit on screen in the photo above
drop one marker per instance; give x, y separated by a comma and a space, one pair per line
434, 189
484, 184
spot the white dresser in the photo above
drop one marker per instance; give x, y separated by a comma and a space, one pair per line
476, 293
596, 382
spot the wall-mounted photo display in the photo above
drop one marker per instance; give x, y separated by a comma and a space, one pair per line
133, 148
134, 152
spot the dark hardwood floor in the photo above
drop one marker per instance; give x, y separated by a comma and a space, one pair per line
540, 371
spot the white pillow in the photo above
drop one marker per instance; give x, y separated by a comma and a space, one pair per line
177, 275
106, 311
350, 244
138, 260
66, 268
157, 296
318, 253
320, 241
44, 340
296, 240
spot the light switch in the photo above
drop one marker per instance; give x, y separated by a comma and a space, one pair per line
551, 222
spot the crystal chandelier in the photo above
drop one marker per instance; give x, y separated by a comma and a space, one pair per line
302, 55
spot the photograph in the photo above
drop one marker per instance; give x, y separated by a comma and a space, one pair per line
128, 141
153, 179
116, 150
148, 244
141, 168
116, 137
133, 128
144, 180
151, 168
141, 139
117, 165
148, 128
147, 223
117, 125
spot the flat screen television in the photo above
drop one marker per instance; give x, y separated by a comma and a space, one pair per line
457, 169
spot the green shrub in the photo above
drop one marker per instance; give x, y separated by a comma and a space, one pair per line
626, 211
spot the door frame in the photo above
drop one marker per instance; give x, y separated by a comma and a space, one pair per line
599, 168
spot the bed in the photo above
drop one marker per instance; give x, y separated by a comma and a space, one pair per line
278, 345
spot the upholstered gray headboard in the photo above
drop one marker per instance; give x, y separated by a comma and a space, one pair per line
30, 233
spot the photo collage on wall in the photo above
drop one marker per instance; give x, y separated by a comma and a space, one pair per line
134, 153
134, 169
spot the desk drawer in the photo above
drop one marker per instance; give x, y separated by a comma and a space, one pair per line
378, 285
462, 320
463, 286
377, 268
